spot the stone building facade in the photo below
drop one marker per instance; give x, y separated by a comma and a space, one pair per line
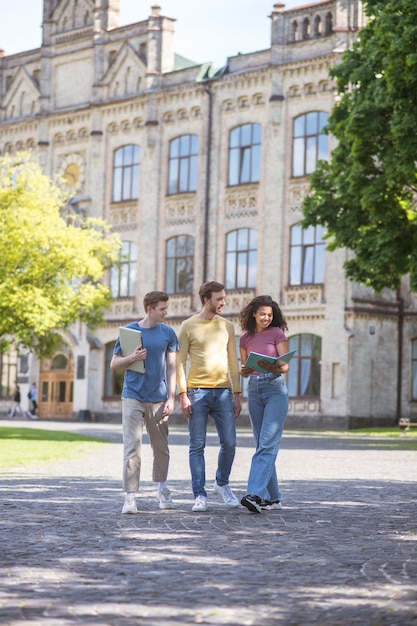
203, 171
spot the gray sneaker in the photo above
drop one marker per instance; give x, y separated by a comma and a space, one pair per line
164, 498
130, 504
226, 494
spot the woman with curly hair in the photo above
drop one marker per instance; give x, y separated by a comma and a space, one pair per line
264, 325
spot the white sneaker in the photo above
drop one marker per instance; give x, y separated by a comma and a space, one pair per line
226, 493
200, 504
164, 498
130, 504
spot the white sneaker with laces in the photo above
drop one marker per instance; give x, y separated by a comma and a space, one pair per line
130, 504
164, 498
200, 504
226, 494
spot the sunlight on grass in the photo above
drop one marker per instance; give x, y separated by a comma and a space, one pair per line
25, 446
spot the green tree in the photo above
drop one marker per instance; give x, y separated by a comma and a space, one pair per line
365, 195
51, 264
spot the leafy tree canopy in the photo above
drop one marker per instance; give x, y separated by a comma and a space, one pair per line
51, 265
366, 195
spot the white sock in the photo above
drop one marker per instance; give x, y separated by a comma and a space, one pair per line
163, 486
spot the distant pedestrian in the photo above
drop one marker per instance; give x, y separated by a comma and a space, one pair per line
33, 397
16, 403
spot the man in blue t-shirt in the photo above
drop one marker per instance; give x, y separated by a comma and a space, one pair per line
148, 398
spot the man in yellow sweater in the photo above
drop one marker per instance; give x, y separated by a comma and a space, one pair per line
212, 388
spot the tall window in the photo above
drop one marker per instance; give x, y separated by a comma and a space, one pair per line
8, 369
113, 382
179, 268
309, 144
241, 258
123, 274
244, 154
303, 378
183, 160
307, 254
126, 173
414, 370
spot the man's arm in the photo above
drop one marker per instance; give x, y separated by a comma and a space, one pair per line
119, 362
171, 381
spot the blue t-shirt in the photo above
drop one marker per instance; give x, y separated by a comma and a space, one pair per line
152, 385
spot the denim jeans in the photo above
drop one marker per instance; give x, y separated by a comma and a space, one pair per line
218, 404
268, 406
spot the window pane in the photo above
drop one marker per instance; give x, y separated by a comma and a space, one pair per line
185, 145
311, 124
256, 164
234, 138
241, 269
174, 147
127, 181
299, 126
193, 174
305, 345
296, 235
298, 157
245, 166
245, 137
295, 266
194, 144
256, 133
305, 371
252, 268
118, 157
173, 176
169, 276
308, 235
319, 264
292, 378
231, 241
242, 239
308, 264
117, 185
135, 183
234, 167
230, 270
253, 239
323, 147
311, 154
183, 186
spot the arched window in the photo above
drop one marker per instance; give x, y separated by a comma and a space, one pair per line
317, 26
328, 25
306, 28
309, 143
183, 161
123, 274
241, 258
60, 362
303, 378
414, 370
126, 173
113, 382
244, 154
295, 31
307, 255
179, 264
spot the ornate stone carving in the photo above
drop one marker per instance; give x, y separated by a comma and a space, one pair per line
180, 209
303, 297
297, 192
123, 217
242, 202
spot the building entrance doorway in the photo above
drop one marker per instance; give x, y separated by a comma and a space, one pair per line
57, 386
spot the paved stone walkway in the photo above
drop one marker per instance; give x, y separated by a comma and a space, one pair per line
342, 552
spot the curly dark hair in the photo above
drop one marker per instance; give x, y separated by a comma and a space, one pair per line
247, 320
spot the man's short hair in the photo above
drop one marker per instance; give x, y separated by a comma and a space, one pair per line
153, 297
206, 290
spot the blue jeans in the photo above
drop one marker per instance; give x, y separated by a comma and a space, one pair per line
268, 406
218, 404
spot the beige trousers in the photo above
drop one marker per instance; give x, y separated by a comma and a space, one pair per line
134, 415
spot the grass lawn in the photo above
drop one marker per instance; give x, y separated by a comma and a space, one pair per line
25, 446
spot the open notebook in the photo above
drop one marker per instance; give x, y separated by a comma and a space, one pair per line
254, 357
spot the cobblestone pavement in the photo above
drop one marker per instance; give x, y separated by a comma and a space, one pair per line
342, 552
